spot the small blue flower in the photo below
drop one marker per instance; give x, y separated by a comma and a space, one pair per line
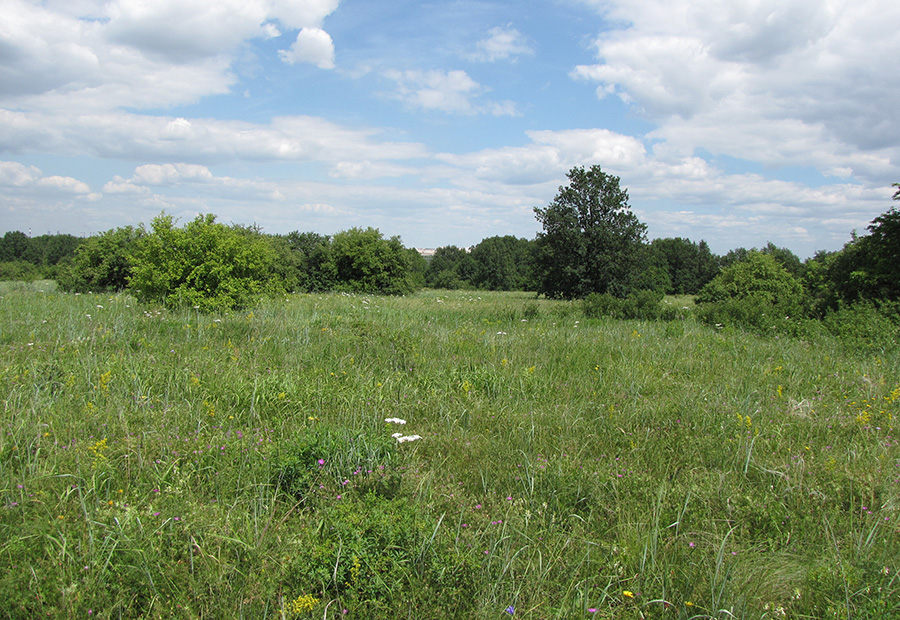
511, 610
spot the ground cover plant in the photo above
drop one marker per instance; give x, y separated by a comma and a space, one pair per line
439, 455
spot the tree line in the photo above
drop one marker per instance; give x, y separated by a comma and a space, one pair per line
591, 246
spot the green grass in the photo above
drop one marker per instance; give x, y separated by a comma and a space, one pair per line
178, 465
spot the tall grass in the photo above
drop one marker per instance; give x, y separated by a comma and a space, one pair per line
175, 464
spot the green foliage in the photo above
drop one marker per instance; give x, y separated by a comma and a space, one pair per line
32, 258
643, 305
102, 262
866, 324
503, 264
13, 246
758, 276
366, 262
866, 272
756, 293
20, 270
204, 264
450, 268
312, 260
591, 241
690, 265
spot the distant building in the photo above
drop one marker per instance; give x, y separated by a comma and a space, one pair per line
426, 252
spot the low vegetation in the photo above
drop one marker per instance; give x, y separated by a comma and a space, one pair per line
440, 455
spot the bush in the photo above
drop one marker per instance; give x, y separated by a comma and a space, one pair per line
102, 262
19, 270
642, 305
207, 265
756, 293
756, 314
366, 262
866, 324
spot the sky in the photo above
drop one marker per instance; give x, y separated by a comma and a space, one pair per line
739, 122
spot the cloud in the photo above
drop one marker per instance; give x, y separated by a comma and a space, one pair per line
168, 174
502, 43
768, 81
313, 45
137, 54
15, 175
135, 136
445, 91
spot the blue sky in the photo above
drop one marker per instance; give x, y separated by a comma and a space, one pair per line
737, 122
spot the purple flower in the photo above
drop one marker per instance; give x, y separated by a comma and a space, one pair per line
511, 610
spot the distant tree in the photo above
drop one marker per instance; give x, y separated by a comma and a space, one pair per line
866, 269
786, 258
13, 246
56, 248
690, 265
205, 264
451, 268
881, 252
591, 241
101, 262
318, 272
783, 256
366, 262
418, 266
503, 264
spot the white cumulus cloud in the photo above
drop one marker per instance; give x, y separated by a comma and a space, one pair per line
501, 43
313, 45
445, 91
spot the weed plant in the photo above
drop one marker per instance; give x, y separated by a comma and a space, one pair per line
172, 464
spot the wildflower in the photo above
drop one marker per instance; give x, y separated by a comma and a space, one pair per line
406, 438
395, 421
628, 594
302, 604
592, 610
510, 610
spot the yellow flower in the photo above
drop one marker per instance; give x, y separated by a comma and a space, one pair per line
302, 604
628, 594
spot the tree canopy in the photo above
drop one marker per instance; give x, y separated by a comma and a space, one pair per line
591, 241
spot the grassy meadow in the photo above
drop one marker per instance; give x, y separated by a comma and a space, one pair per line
158, 464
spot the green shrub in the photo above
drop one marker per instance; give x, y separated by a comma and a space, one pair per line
102, 262
756, 293
866, 324
643, 305
365, 262
206, 265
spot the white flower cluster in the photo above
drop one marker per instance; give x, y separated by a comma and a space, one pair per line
400, 437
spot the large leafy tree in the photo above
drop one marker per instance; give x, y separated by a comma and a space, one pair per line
591, 241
